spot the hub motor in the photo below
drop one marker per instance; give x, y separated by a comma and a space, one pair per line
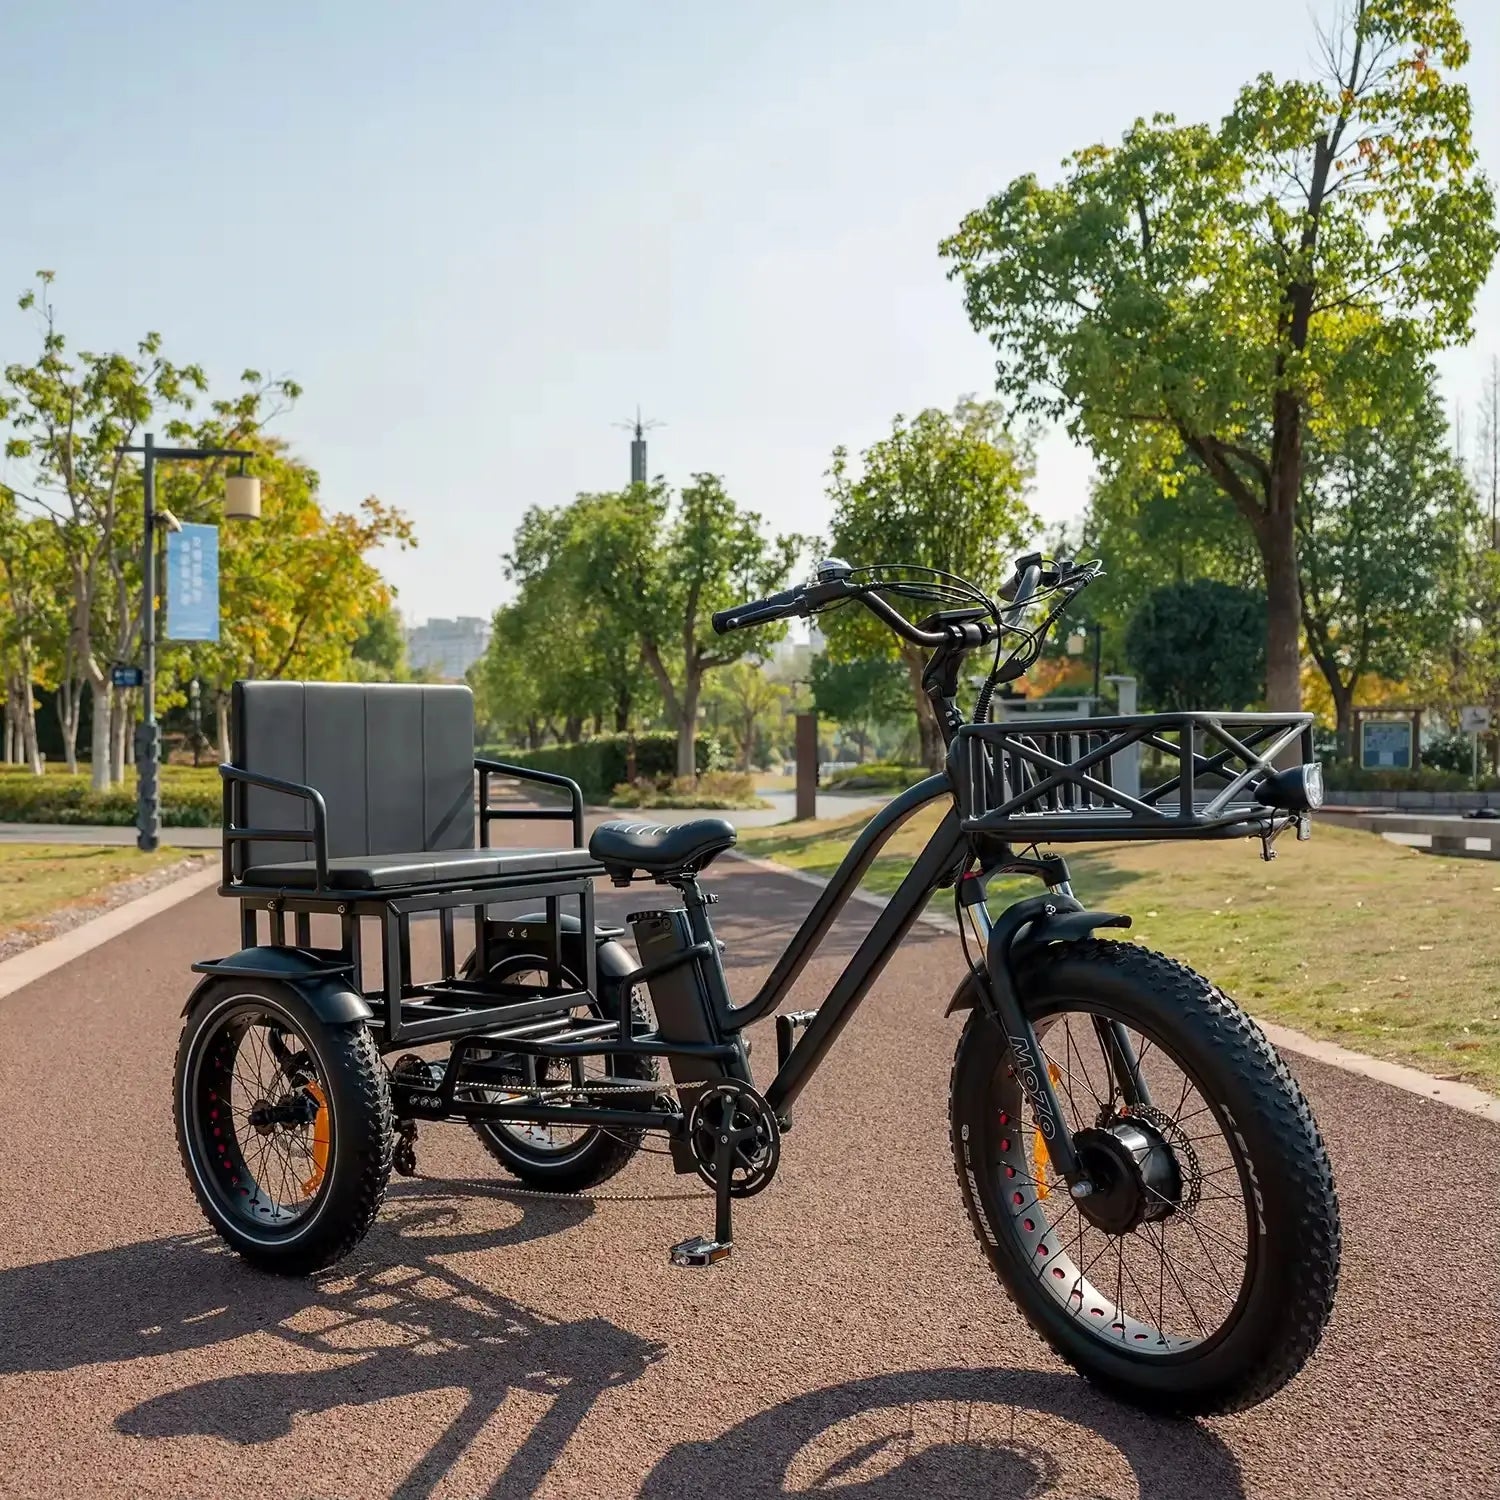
1135, 1175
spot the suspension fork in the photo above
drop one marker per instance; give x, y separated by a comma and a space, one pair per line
1057, 915
997, 984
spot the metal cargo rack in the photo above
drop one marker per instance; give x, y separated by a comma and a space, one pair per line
1055, 779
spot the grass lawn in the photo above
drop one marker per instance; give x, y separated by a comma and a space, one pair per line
37, 879
1347, 937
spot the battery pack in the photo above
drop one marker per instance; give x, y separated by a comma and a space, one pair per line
680, 1002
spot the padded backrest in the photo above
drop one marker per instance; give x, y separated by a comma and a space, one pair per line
394, 762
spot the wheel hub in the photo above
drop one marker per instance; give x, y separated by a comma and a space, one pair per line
1134, 1173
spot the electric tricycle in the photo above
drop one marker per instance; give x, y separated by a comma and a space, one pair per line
1140, 1169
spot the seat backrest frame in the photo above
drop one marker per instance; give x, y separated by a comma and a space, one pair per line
393, 762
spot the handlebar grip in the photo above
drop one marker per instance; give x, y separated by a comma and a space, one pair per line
758, 611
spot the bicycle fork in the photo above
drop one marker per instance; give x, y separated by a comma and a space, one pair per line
1028, 924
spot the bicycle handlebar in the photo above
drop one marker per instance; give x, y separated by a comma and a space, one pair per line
807, 598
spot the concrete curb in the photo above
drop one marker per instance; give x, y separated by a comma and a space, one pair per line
1460, 1096
32, 964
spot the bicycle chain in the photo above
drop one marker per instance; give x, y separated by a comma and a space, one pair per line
545, 1091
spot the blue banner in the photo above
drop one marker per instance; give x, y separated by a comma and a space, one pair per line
193, 584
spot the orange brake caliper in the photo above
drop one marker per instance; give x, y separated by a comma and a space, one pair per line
321, 1137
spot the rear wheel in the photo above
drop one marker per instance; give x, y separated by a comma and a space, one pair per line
565, 1158
283, 1123
1199, 1274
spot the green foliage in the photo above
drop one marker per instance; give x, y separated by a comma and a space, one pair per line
616, 592
381, 642
1216, 296
876, 776
1341, 776
186, 802
1383, 527
859, 694
713, 789
753, 706
944, 490
1198, 645
601, 764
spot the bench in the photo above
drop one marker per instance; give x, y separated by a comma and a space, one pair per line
358, 799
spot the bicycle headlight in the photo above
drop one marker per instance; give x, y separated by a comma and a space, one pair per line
1297, 789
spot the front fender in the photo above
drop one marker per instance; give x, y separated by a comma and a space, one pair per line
324, 980
1048, 927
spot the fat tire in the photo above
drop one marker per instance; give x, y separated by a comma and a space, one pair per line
360, 1164
1296, 1270
603, 1155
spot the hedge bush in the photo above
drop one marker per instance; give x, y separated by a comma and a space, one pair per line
1340, 777
599, 765
189, 799
714, 789
876, 776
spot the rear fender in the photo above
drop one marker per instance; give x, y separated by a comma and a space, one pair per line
324, 980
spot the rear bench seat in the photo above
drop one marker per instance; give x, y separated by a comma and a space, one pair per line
394, 765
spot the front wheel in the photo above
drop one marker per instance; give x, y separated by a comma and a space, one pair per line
1198, 1275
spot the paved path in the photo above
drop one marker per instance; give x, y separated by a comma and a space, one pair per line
483, 1342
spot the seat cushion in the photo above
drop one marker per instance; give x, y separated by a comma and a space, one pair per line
622, 846
447, 867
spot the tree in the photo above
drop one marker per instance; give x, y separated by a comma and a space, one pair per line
944, 490
70, 416
715, 555
750, 698
1222, 294
296, 588
857, 695
1149, 534
581, 571
380, 647
32, 622
1384, 521
1199, 644
1487, 465
508, 698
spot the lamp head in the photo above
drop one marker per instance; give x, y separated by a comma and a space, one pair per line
242, 496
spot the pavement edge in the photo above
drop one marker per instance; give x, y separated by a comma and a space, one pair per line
31, 964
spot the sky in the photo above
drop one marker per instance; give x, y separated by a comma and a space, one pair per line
480, 234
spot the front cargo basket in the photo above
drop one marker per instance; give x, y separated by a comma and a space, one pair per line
1136, 776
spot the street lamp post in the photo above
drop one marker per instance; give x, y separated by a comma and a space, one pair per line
241, 503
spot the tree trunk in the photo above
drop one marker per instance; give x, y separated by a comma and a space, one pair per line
69, 705
1343, 716
747, 742
221, 725
1278, 550
119, 727
929, 736
99, 749
687, 726
622, 708
30, 750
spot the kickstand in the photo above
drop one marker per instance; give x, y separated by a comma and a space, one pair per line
699, 1251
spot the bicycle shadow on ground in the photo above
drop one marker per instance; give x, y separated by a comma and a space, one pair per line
400, 1322
986, 1434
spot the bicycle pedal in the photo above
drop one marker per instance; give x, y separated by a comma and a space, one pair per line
700, 1251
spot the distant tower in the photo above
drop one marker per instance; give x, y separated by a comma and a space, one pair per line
638, 446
